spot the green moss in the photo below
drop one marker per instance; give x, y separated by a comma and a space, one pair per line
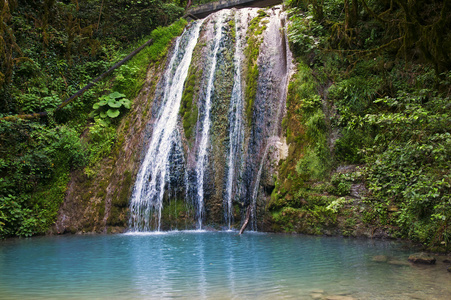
122, 199
232, 30
309, 220
251, 53
176, 214
116, 217
188, 108
175, 209
101, 209
49, 200
131, 76
101, 194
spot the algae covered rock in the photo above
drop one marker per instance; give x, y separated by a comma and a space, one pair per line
422, 258
380, 258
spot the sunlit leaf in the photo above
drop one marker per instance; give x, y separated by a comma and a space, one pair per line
113, 113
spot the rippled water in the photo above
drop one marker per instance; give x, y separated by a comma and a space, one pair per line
213, 265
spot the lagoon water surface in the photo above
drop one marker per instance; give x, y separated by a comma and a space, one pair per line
213, 265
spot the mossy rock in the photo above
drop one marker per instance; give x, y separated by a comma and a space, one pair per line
422, 258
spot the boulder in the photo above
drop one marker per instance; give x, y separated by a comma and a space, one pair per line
422, 258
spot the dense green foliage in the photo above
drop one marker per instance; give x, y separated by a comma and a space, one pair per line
368, 110
369, 106
49, 50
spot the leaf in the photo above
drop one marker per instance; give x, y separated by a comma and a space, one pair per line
102, 103
114, 104
103, 114
113, 113
116, 95
104, 122
126, 103
96, 106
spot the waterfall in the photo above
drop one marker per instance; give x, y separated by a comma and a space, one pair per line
235, 119
202, 91
148, 192
272, 141
206, 123
275, 68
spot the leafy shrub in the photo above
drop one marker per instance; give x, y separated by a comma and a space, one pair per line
34, 172
304, 32
110, 106
102, 138
410, 166
348, 148
355, 93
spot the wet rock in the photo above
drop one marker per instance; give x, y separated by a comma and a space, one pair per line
380, 258
398, 263
358, 190
316, 296
422, 258
346, 168
337, 297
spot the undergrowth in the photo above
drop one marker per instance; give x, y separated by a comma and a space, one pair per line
363, 129
38, 156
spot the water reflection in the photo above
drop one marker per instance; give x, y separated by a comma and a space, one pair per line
212, 265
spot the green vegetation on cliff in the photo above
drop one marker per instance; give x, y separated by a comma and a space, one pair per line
188, 107
49, 50
368, 122
251, 52
368, 112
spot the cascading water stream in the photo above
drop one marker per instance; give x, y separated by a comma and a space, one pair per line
235, 119
148, 192
206, 122
274, 41
272, 141
225, 159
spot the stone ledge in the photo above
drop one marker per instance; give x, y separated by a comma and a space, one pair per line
204, 10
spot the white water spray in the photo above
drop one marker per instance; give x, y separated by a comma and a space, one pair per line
149, 189
206, 123
273, 42
235, 119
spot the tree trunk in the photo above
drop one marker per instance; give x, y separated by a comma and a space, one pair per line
248, 216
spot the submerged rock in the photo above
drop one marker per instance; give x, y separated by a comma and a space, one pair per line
337, 297
316, 296
422, 258
398, 263
380, 258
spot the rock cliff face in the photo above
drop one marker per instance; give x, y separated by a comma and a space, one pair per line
93, 204
203, 139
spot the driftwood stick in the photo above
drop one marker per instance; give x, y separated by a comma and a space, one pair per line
80, 92
248, 216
